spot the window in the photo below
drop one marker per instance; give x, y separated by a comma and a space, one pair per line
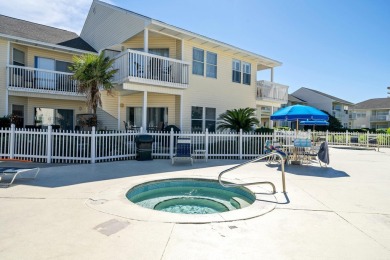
211, 66
210, 119
197, 119
51, 116
198, 62
246, 73
18, 57
200, 121
155, 116
237, 71
18, 110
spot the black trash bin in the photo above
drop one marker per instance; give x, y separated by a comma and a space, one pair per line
144, 147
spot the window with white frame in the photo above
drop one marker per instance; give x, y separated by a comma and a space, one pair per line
211, 65
210, 122
246, 73
196, 119
198, 61
236, 71
202, 118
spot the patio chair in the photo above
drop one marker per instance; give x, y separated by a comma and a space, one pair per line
9, 174
323, 154
276, 147
183, 151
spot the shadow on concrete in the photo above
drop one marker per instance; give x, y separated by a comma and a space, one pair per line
59, 175
315, 171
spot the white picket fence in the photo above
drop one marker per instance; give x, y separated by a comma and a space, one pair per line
89, 147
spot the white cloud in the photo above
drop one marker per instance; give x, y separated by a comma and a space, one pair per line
64, 14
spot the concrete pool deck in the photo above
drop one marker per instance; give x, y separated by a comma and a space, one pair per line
340, 212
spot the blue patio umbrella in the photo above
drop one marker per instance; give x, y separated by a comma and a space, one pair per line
298, 113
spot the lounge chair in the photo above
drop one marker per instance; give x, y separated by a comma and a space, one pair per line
183, 151
9, 174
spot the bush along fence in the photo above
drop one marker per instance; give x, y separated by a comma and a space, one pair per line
53, 146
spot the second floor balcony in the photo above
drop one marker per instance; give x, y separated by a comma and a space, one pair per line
272, 91
27, 79
140, 67
380, 118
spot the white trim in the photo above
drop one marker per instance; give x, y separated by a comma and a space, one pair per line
119, 112
146, 40
144, 110
181, 112
7, 79
182, 50
216, 42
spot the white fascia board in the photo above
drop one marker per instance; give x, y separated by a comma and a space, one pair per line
42, 44
206, 39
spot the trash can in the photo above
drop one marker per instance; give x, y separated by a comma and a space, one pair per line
144, 147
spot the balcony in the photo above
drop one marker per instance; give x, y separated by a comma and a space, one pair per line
140, 67
272, 91
28, 79
380, 118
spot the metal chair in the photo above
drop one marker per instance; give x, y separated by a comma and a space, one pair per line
9, 174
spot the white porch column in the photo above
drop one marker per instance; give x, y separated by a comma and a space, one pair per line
272, 74
271, 122
181, 112
144, 110
119, 112
146, 40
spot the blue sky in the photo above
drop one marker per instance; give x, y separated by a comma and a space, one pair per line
339, 47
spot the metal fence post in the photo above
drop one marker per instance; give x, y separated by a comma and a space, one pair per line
368, 134
171, 144
206, 144
240, 148
12, 142
327, 136
49, 143
93, 144
346, 137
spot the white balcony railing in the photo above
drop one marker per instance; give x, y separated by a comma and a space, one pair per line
272, 91
41, 81
380, 118
141, 67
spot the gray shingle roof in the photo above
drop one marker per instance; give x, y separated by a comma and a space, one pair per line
332, 97
42, 33
374, 103
293, 98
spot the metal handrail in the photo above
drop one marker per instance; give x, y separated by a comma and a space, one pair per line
253, 183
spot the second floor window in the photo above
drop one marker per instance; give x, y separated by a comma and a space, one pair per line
211, 66
246, 73
236, 71
198, 62
18, 57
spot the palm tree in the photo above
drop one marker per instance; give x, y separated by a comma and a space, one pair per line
236, 119
93, 72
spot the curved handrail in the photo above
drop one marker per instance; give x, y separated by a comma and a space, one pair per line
253, 183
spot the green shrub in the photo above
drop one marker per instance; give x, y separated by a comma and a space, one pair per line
5, 122
264, 130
